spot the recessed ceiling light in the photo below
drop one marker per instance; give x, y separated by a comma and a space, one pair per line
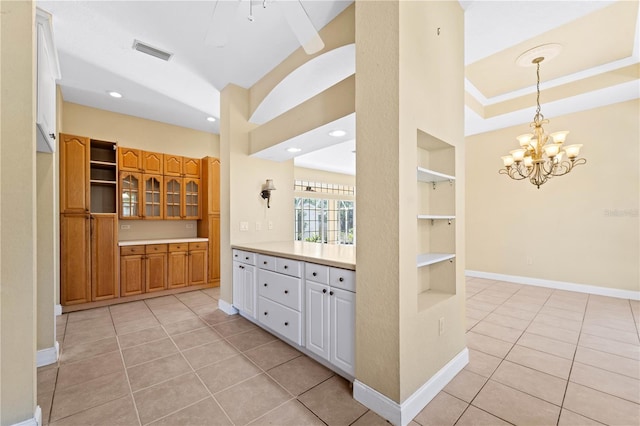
337, 133
114, 94
292, 149
211, 119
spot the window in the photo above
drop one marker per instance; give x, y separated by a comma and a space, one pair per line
324, 220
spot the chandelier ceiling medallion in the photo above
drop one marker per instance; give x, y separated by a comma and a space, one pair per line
540, 156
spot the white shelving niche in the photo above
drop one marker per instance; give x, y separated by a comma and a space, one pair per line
436, 251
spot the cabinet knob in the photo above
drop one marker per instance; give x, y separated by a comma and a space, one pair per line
265, 262
286, 292
246, 258
324, 290
286, 324
314, 274
330, 293
52, 136
286, 267
266, 313
265, 284
340, 279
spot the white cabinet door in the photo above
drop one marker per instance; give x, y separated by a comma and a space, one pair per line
46, 85
343, 319
317, 318
244, 288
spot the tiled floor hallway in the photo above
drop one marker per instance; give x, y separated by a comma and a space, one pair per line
538, 357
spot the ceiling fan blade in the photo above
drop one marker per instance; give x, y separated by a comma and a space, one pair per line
301, 26
223, 16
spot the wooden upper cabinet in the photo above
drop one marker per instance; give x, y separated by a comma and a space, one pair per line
131, 195
152, 196
191, 198
191, 167
153, 162
211, 185
172, 165
172, 197
74, 174
130, 159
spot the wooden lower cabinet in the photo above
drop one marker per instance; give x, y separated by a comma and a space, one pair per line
131, 270
75, 259
198, 264
210, 228
155, 268
178, 272
104, 256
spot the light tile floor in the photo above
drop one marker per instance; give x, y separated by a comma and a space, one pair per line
537, 357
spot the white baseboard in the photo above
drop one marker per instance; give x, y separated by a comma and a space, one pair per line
402, 414
560, 285
36, 420
57, 310
48, 356
226, 307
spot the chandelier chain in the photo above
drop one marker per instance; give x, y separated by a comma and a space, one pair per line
539, 116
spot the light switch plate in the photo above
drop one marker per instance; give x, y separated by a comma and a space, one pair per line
244, 226
258, 226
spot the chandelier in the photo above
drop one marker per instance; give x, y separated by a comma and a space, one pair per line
540, 156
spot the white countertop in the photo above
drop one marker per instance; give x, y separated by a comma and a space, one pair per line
338, 255
163, 241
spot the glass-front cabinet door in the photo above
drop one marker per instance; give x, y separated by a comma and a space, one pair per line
153, 197
191, 198
173, 198
130, 195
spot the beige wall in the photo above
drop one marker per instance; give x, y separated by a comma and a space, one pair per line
47, 246
241, 179
408, 79
580, 228
314, 175
17, 213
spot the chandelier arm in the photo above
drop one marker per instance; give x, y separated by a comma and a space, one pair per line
512, 174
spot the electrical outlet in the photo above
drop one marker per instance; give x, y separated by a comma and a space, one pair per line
258, 226
125, 226
529, 260
189, 225
441, 326
244, 226
270, 225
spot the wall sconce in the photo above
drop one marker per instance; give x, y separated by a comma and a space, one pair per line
266, 191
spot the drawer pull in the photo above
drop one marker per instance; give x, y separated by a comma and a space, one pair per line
324, 290
265, 262
286, 267
246, 258
241, 267
340, 279
314, 274
266, 313
330, 293
286, 324
265, 284
235, 255
286, 292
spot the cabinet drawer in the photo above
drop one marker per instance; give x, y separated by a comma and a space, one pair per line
342, 278
198, 246
244, 257
156, 248
128, 250
289, 267
266, 262
282, 320
317, 273
173, 247
280, 288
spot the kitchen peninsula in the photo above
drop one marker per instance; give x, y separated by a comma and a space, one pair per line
305, 293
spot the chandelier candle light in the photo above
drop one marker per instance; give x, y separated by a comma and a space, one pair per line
539, 157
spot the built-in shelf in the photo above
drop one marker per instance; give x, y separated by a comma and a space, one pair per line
429, 176
107, 164
427, 259
429, 298
102, 182
435, 217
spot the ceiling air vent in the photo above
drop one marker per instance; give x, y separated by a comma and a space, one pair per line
149, 50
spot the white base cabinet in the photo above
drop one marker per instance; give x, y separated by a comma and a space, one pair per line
330, 318
244, 283
311, 306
